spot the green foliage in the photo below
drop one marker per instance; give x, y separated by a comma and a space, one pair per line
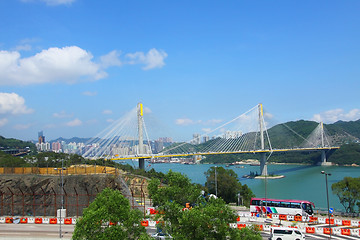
206, 220
348, 191
346, 155
11, 143
110, 206
351, 127
228, 185
248, 233
7, 160
179, 189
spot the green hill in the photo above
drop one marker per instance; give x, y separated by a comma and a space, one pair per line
293, 134
11, 143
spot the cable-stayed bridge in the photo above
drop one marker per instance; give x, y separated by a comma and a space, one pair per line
127, 138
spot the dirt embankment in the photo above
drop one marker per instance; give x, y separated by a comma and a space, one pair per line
41, 195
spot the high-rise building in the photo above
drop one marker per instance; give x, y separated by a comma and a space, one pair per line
56, 147
232, 134
41, 137
196, 138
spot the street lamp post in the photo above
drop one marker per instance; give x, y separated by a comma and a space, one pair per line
61, 193
327, 197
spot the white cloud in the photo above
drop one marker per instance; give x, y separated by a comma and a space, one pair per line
22, 126
213, 121
184, 121
62, 114
335, 115
23, 47
206, 130
3, 121
91, 121
90, 94
67, 64
110, 120
52, 2
268, 115
152, 59
12, 103
147, 110
50, 125
111, 59
74, 123
107, 111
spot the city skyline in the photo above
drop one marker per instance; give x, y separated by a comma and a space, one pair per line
70, 68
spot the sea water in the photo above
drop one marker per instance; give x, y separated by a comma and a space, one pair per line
302, 182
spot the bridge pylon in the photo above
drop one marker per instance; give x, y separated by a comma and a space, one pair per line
140, 115
263, 160
323, 152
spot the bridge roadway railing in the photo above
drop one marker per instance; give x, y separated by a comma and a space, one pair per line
310, 225
148, 156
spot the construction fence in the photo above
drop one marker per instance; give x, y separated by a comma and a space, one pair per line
49, 189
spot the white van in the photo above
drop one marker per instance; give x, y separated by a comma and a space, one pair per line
286, 233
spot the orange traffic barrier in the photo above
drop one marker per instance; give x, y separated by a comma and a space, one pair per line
282, 217
259, 227
346, 222
345, 231
9, 220
240, 226
53, 221
69, 221
153, 211
23, 220
313, 219
38, 220
331, 221
145, 223
327, 231
298, 218
310, 230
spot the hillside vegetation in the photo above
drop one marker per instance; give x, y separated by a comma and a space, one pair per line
343, 134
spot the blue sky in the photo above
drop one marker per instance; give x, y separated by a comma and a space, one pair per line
70, 67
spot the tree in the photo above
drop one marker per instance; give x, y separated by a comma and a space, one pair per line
109, 217
348, 192
228, 185
248, 233
205, 221
178, 189
207, 218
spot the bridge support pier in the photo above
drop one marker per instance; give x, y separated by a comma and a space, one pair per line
141, 163
263, 164
323, 159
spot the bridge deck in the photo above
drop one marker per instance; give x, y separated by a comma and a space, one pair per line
217, 153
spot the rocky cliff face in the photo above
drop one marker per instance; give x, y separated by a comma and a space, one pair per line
41, 195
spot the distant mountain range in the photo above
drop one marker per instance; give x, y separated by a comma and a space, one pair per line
73, 139
282, 135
